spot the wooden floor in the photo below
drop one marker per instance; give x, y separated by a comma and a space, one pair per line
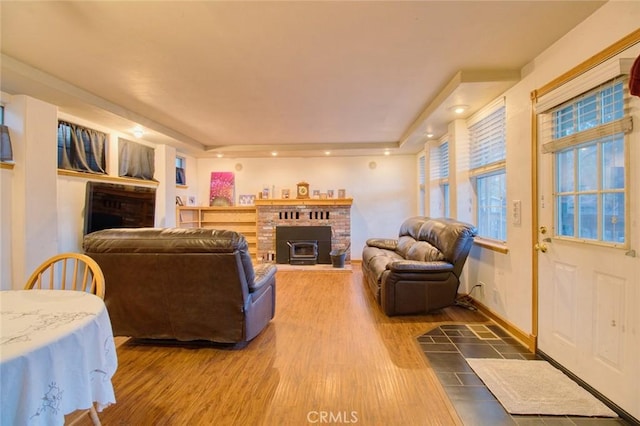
328, 356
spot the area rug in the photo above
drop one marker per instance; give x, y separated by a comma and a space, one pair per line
536, 387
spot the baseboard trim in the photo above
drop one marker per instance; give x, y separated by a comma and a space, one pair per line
526, 339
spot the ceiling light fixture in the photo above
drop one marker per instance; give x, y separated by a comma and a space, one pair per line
387, 152
274, 154
219, 155
327, 153
138, 132
459, 109
429, 135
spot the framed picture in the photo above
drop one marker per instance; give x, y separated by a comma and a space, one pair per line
316, 193
221, 192
191, 201
342, 193
179, 201
285, 194
330, 193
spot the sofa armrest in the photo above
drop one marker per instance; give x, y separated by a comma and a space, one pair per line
264, 272
419, 266
383, 243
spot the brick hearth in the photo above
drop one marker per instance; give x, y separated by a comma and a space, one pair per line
308, 212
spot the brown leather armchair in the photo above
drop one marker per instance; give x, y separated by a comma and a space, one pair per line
420, 271
183, 284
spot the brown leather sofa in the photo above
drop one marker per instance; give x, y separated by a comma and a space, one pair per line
183, 284
420, 271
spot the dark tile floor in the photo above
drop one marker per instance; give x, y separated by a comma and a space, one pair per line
447, 348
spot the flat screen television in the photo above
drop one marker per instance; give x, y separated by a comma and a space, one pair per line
111, 205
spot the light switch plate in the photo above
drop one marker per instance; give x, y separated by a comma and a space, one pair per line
516, 212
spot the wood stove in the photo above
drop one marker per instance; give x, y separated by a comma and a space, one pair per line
303, 252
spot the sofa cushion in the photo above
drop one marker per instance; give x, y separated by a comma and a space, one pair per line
450, 236
423, 251
411, 226
383, 243
404, 245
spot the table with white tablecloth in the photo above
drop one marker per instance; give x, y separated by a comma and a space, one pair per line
57, 355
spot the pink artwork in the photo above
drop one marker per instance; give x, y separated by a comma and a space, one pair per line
222, 189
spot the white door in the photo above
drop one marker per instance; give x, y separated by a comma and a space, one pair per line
588, 270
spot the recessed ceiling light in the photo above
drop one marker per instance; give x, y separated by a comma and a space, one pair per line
327, 153
387, 152
429, 135
219, 155
274, 154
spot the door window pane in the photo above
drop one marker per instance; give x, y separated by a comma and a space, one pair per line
587, 113
588, 216
613, 163
566, 215
613, 220
588, 168
564, 122
565, 171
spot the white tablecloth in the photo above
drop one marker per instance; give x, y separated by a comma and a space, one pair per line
57, 355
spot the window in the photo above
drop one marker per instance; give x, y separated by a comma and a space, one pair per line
81, 149
487, 143
180, 171
6, 151
440, 174
135, 160
587, 139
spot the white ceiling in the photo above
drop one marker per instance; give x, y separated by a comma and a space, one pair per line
298, 77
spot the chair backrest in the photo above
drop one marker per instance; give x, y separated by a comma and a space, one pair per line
68, 271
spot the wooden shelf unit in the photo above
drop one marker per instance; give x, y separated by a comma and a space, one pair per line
241, 219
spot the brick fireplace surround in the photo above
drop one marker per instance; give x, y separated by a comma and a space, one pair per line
334, 212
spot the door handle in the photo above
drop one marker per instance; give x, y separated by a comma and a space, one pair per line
540, 247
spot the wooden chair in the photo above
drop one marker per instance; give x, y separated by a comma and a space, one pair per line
70, 271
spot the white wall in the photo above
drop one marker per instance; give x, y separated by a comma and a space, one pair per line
383, 196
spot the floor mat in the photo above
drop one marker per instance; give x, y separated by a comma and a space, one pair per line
536, 387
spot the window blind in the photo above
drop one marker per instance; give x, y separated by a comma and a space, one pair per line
439, 162
444, 161
487, 146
